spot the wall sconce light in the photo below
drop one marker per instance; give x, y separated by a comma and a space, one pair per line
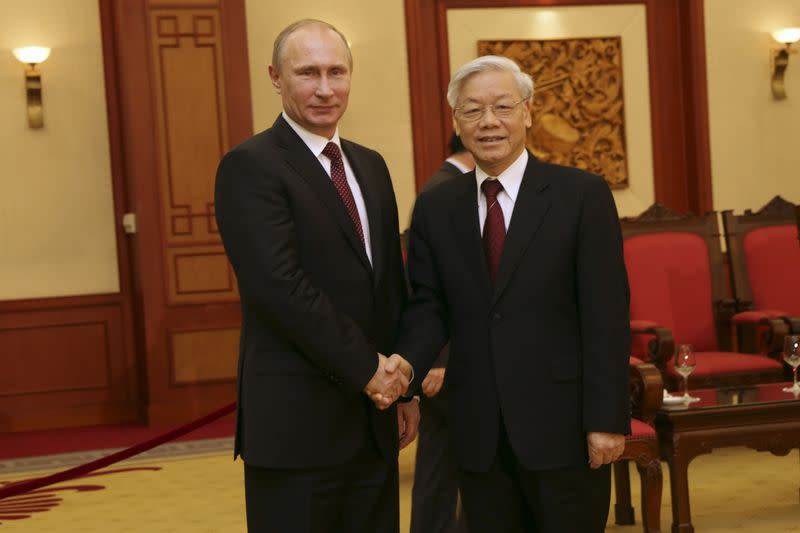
780, 59
32, 56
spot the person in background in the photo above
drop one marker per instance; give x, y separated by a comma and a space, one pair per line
434, 496
459, 162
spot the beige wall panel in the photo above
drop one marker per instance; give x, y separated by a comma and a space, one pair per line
379, 113
200, 356
466, 27
56, 206
754, 138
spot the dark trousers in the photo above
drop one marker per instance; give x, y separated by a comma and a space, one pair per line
434, 497
361, 496
511, 499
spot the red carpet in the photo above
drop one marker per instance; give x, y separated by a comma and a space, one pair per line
52, 441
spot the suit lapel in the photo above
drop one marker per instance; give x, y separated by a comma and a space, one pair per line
530, 208
467, 231
300, 158
372, 202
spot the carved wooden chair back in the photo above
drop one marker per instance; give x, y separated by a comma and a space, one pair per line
765, 257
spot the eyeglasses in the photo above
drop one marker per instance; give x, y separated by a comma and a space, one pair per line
473, 112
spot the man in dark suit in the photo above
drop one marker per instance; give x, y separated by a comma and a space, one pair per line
434, 496
520, 265
309, 222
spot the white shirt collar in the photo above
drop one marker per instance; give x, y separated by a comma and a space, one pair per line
510, 178
316, 143
456, 163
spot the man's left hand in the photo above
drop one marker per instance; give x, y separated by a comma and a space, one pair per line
433, 382
604, 448
408, 421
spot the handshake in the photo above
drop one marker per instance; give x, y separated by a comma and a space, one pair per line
390, 380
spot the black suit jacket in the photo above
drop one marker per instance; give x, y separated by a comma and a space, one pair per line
547, 347
314, 311
445, 173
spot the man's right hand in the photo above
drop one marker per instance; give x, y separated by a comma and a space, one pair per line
390, 381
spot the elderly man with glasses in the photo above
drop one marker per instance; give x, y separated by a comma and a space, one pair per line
519, 263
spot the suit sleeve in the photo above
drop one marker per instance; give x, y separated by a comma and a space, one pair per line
254, 218
423, 324
603, 300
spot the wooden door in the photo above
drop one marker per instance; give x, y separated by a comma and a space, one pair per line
184, 100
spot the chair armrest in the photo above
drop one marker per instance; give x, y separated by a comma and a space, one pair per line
761, 331
647, 391
641, 326
661, 347
754, 316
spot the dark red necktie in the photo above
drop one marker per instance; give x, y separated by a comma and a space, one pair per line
494, 229
339, 178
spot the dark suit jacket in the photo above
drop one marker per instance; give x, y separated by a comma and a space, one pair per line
547, 347
314, 312
445, 173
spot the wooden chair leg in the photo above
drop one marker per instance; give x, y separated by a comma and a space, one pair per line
623, 510
652, 482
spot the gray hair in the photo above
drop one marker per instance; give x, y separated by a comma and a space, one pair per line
280, 41
482, 64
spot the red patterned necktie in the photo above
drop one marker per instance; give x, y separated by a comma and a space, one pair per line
494, 229
339, 178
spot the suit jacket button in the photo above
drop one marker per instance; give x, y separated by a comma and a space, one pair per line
496, 316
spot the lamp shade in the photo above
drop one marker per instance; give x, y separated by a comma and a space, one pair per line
32, 54
787, 35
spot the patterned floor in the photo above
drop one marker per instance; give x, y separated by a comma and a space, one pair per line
733, 489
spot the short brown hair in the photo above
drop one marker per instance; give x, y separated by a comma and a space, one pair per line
280, 40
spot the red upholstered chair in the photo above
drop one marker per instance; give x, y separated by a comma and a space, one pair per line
765, 270
641, 447
679, 295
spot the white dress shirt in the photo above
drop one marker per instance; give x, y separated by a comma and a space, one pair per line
510, 179
317, 143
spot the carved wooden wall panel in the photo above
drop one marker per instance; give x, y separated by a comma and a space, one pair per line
192, 131
578, 110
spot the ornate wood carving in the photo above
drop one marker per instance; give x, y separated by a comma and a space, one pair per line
657, 213
684, 434
193, 135
646, 386
777, 207
578, 108
645, 453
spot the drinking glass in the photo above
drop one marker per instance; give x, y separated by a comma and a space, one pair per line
685, 361
791, 354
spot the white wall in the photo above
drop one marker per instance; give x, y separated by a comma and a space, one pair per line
379, 112
755, 140
56, 212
